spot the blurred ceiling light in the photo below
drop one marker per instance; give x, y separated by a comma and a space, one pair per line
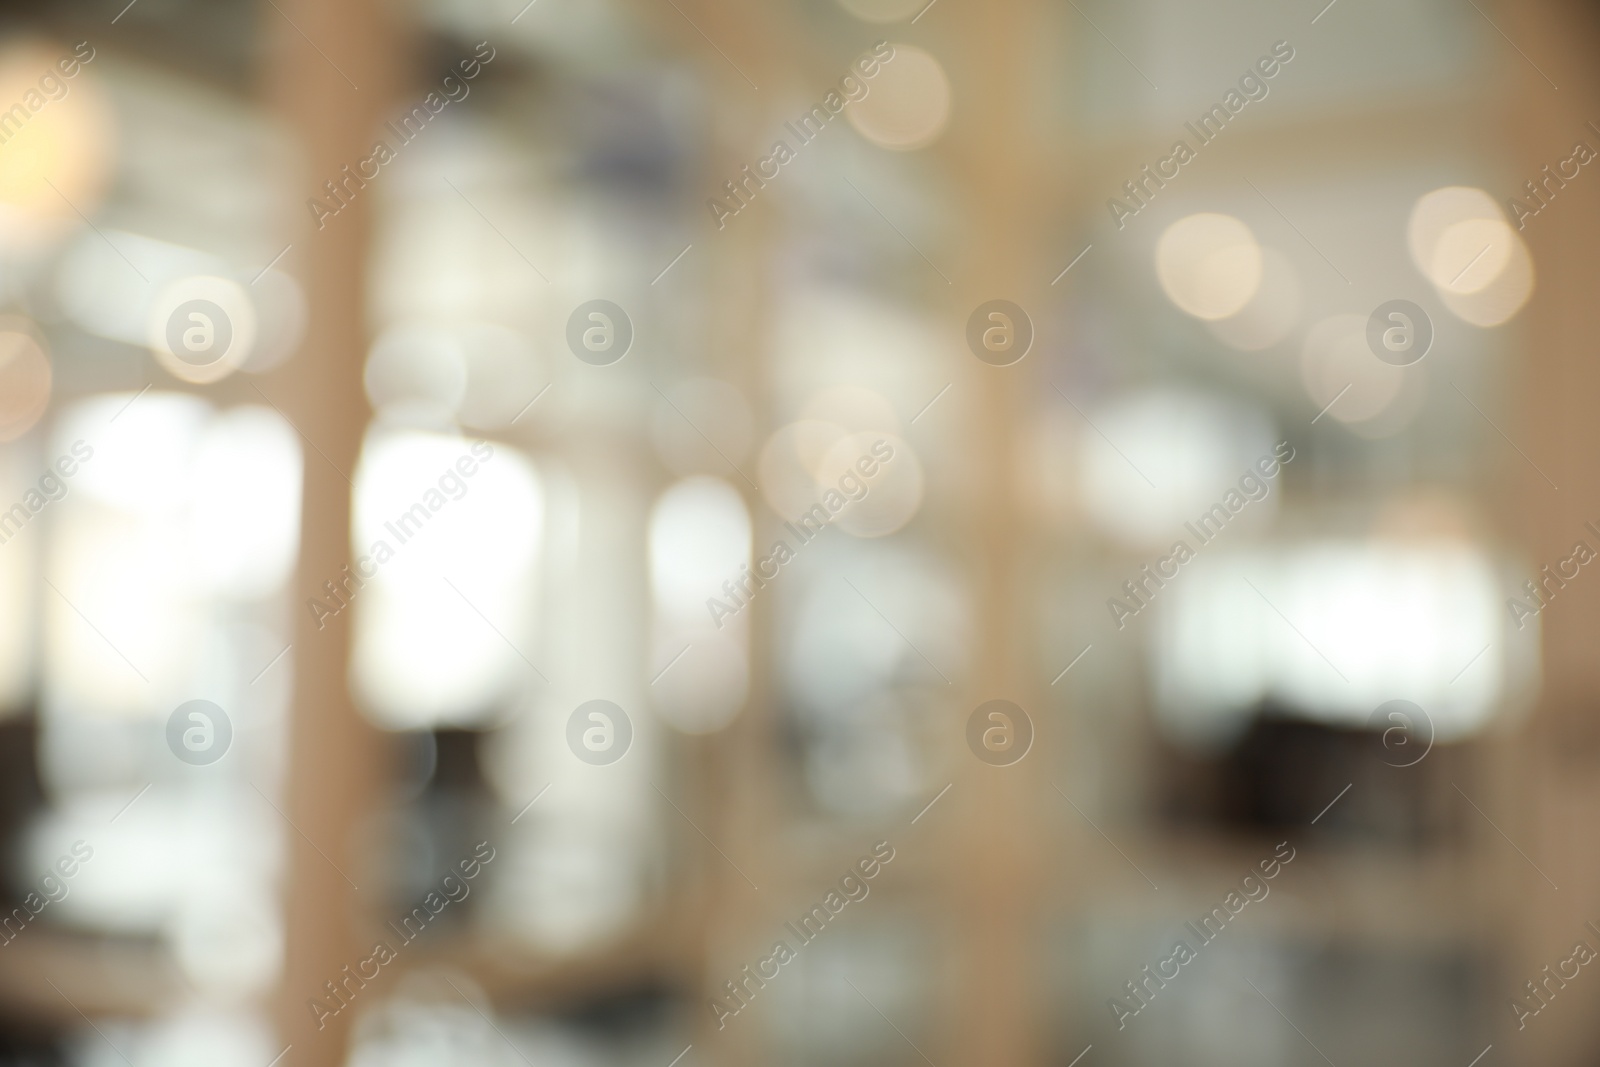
909, 102
197, 1035
699, 539
1470, 254
435, 258
171, 508
1433, 216
133, 881
1190, 446
56, 164
201, 328
1461, 242
807, 459
24, 378
695, 406
1397, 620
1338, 369
139, 459
882, 10
105, 295
790, 462
1271, 314
123, 555
853, 407
892, 494
446, 617
1209, 265
1502, 297
416, 375
244, 516
164, 856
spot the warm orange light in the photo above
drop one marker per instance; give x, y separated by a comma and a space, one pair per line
1209, 265
55, 141
908, 104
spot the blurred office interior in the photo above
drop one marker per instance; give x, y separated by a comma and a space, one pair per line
1347, 679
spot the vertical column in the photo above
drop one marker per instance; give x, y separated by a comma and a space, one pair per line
743, 760
331, 69
1546, 777
735, 771
992, 857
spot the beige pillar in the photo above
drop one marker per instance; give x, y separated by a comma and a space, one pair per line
332, 71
